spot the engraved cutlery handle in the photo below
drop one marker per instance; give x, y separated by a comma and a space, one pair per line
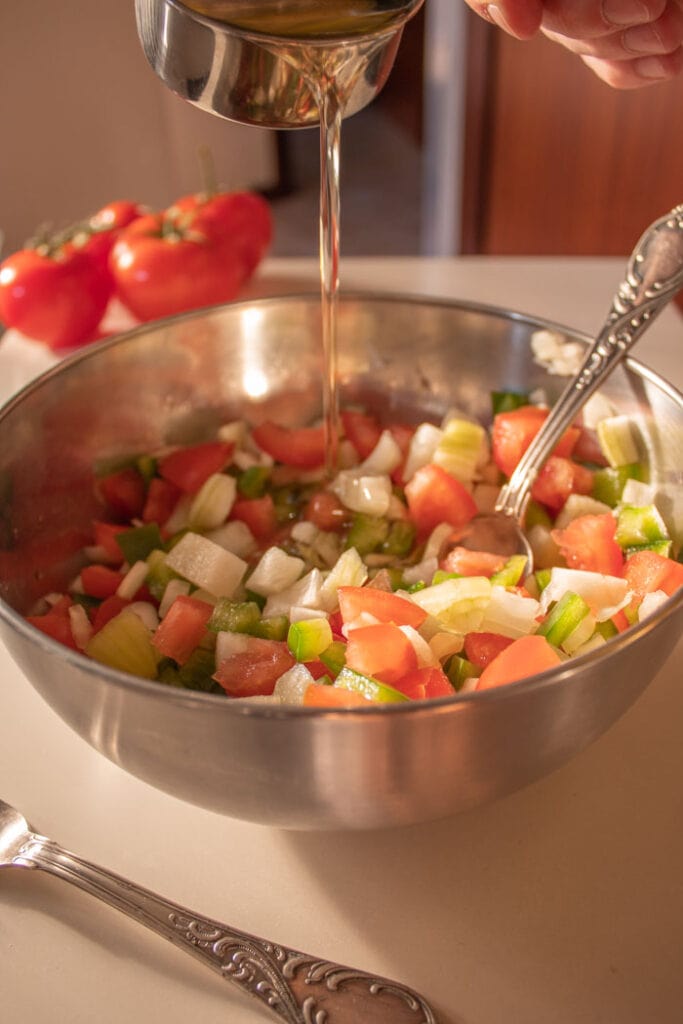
654, 274
299, 988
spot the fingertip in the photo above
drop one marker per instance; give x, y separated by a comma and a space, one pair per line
519, 19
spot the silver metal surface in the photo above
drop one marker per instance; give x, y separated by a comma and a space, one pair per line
258, 79
297, 987
298, 767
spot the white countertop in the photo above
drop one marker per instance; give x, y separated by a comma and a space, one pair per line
562, 903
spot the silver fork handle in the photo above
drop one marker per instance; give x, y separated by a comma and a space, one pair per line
297, 987
654, 275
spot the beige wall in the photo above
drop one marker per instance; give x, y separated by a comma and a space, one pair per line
83, 120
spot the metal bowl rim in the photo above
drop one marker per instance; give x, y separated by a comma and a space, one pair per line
188, 698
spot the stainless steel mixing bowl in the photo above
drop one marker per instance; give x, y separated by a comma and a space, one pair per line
297, 767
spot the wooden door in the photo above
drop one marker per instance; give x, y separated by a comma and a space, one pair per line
557, 162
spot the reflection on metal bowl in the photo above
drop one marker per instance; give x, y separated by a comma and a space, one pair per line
296, 767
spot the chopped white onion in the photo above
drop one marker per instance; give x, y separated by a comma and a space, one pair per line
292, 685
510, 614
425, 655
207, 565
306, 592
445, 644
650, 603
578, 505
132, 581
234, 536
460, 602
178, 518
275, 572
229, 644
422, 572
212, 502
174, 588
348, 571
364, 493
605, 595
147, 612
637, 493
436, 540
304, 532
384, 457
421, 450
235, 431
364, 619
298, 613
81, 627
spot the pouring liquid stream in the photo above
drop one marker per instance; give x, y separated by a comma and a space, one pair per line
330, 45
330, 74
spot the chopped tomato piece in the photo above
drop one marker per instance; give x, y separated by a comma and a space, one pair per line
317, 669
326, 512
482, 648
318, 695
255, 670
162, 498
109, 609
56, 623
362, 430
182, 628
588, 542
382, 651
105, 537
559, 478
190, 467
514, 430
524, 657
620, 621
437, 683
425, 683
434, 497
100, 580
123, 492
258, 514
303, 447
382, 604
646, 571
472, 563
336, 625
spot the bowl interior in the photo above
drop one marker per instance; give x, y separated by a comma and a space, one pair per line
177, 381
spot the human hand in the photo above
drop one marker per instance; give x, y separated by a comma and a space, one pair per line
626, 43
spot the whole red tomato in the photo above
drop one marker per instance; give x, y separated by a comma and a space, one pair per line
99, 233
199, 252
116, 215
245, 216
55, 296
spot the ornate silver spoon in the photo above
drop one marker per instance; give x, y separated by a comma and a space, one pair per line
654, 275
297, 987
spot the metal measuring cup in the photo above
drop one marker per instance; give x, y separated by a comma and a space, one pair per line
259, 79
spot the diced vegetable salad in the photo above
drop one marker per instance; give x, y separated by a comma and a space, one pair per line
234, 566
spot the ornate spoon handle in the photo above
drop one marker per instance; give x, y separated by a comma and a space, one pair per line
299, 988
654, 275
